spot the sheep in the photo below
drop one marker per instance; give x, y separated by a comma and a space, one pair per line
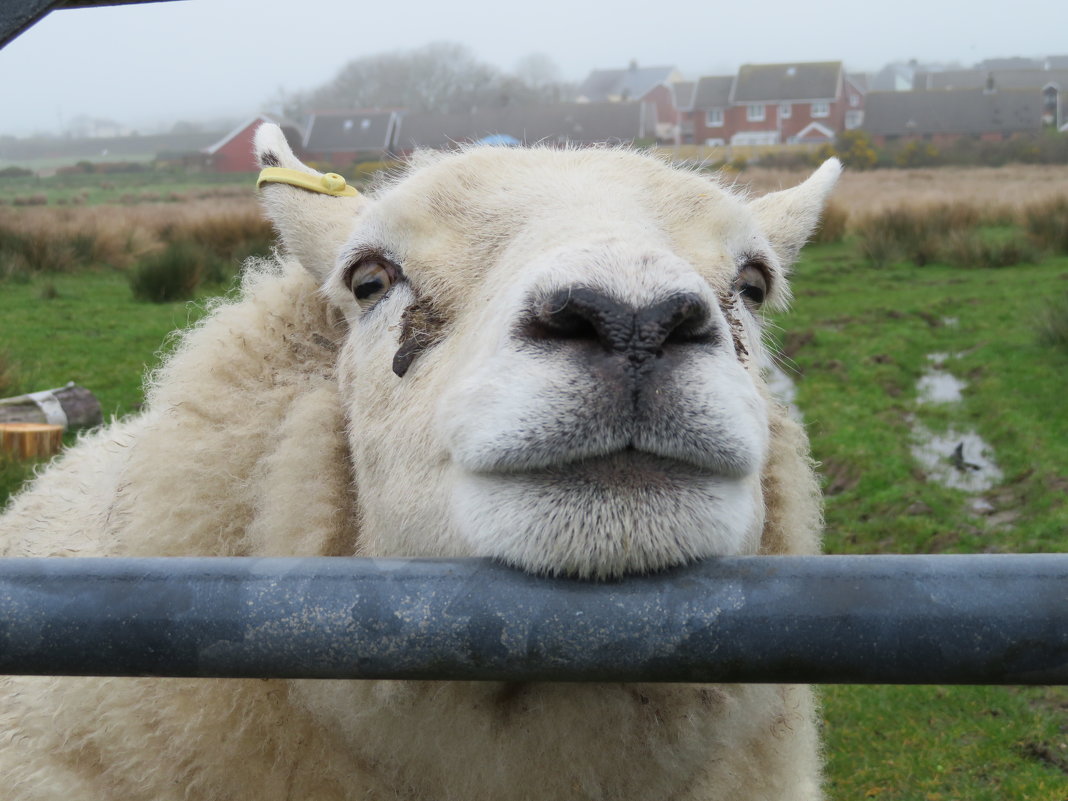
547, 357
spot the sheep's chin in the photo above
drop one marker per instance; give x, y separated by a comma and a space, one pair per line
603, 517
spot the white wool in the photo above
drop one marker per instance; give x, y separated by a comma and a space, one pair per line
278, 427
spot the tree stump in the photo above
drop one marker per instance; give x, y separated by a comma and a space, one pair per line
31, 440
68, 407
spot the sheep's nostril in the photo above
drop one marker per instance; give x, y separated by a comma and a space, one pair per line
585, 314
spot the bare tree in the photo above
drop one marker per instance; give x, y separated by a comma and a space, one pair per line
442, 76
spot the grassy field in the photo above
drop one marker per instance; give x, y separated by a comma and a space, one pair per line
150, 186
857, 343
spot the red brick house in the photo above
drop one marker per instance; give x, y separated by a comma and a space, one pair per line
234, 153
770, 104
704, 121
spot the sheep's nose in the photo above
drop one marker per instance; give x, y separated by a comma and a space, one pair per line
637, 332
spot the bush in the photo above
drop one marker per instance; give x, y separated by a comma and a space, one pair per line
224, 242
854, 148
918, 154
1047, 224
971, 248
15, 172
917, 234
169, 275
787, 160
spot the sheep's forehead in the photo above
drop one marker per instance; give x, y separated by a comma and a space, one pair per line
453, 217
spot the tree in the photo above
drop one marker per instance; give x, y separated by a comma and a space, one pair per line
443, 77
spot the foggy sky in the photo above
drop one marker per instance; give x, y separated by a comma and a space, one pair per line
198, 59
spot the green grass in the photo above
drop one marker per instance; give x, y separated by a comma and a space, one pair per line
149, 186
859, 338
92, 332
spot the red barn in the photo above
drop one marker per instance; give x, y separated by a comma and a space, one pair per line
233, 153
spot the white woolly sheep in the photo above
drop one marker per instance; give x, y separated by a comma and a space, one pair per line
549, 357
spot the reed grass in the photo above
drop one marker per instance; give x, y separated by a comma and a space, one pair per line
198, 240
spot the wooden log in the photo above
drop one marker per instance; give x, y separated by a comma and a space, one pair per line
71, 406
31, 440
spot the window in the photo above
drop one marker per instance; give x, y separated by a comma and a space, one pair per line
714, 118
821, 109
785, 110
853, 119
755, 112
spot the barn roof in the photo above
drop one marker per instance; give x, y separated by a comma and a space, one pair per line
289, 128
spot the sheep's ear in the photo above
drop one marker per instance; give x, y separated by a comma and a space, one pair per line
789, 217
313, 224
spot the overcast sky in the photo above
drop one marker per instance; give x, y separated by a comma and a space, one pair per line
196, 59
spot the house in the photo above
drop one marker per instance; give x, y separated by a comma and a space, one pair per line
1051, 83
581, 124
636, 84
684, 92
234, 153
706, 118
342, 137
796, 103
771, 104
947, 115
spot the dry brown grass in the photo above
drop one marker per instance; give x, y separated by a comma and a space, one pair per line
864, 193
59, 239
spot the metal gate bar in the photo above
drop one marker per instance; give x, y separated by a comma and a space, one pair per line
827, 619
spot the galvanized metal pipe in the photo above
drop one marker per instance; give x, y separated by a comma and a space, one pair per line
828, 619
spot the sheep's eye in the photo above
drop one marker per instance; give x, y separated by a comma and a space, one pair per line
752, 284
372, 277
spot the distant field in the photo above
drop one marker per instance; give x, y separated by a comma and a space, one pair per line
874, 190
858, 192
155, 186
857, 344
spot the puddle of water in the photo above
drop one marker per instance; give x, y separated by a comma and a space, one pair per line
957, 459
938, 386
782, 388
950, 322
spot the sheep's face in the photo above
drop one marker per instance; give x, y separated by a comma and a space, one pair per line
553, 357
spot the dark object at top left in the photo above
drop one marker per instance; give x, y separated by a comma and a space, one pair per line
18, 15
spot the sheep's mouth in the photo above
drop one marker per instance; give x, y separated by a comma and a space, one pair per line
628, 466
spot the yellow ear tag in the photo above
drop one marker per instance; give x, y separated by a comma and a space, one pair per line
329, 184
